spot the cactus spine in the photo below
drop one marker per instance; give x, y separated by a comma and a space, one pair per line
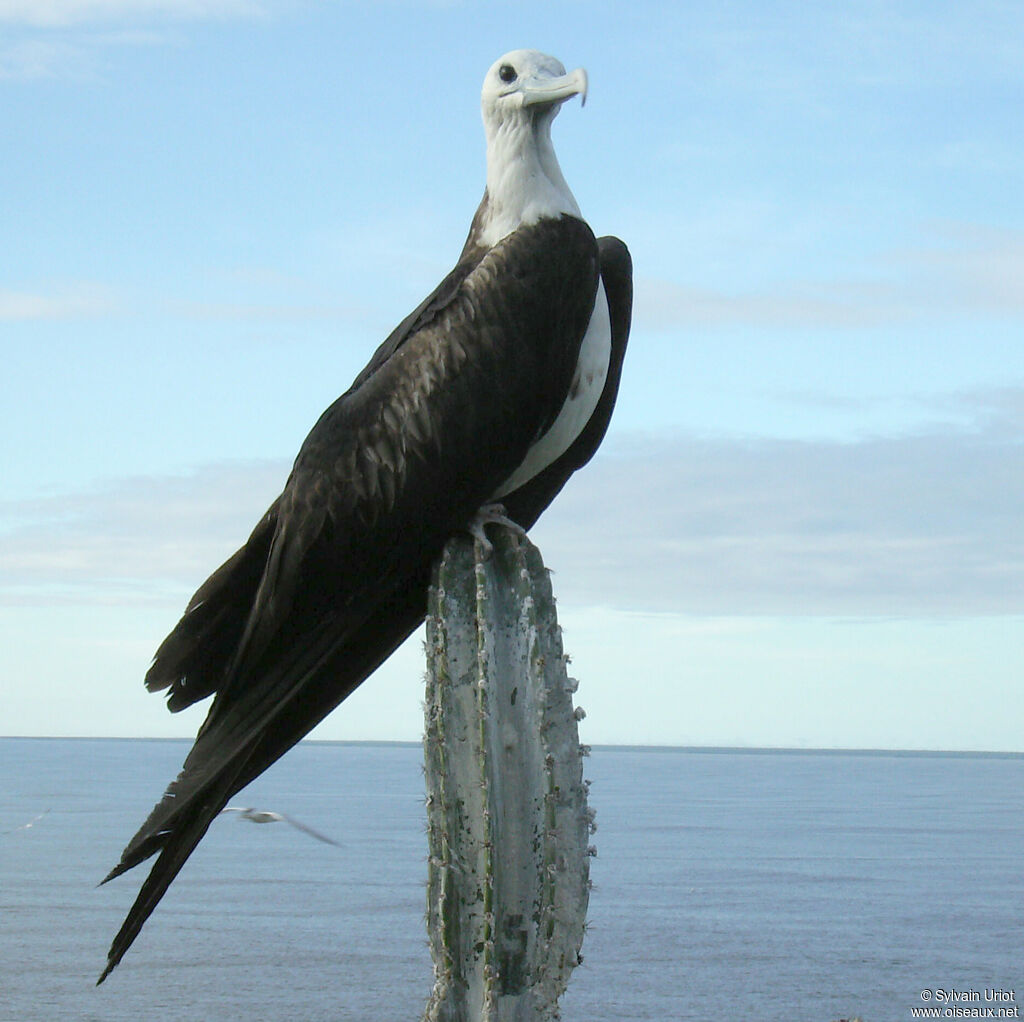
507, 818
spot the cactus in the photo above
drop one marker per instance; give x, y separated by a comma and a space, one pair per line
507, 817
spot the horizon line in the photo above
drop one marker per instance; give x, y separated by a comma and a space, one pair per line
611, 746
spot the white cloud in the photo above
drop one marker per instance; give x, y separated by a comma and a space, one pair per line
63, 13
662, 304
958, 269
77, 301
983, 266
67, 38
908, 526
28, 59
133, 540
914, 526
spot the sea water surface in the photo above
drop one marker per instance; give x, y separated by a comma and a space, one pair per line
729, 885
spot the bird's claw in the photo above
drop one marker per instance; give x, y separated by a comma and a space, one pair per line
491, 514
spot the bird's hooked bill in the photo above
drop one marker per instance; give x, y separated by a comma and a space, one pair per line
555, 90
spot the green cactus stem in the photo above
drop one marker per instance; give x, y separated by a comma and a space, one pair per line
507, 818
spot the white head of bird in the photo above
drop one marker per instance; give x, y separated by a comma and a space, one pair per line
522, 94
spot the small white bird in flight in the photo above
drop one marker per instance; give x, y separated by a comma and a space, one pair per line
26, 826
269, 816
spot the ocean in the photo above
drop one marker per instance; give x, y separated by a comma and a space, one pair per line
729, 885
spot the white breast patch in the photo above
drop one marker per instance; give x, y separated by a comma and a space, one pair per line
584, 393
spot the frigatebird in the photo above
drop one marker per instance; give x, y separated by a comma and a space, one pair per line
477, 408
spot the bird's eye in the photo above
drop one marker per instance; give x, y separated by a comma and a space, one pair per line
507, 73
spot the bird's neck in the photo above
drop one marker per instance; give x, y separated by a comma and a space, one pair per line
524, 181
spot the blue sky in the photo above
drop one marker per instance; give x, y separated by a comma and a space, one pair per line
805, 526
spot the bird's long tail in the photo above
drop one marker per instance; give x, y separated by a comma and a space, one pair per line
230, 753
180, 842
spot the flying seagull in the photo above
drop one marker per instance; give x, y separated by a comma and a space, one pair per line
27, 826
269, 816
477, 408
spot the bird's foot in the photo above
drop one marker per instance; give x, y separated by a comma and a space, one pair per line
491, 514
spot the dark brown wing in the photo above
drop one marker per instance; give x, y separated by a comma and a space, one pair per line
526, 504
392, 621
